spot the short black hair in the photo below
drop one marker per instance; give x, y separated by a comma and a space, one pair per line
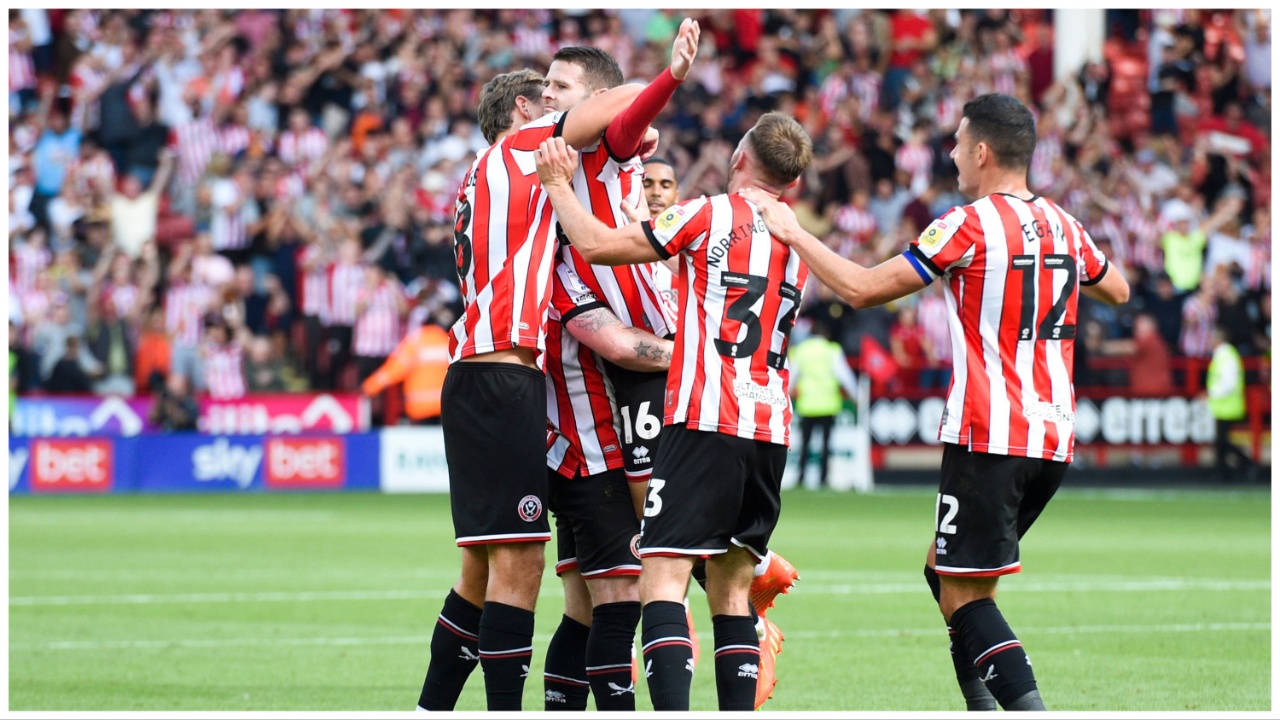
1006, 126
599, 69
655, 160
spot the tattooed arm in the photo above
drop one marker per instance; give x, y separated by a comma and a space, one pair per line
631, 348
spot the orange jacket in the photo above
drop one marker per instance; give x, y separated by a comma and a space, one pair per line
420, 360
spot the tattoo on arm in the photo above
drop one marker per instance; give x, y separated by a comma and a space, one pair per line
650, 350
593, 321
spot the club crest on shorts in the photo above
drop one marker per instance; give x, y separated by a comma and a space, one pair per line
635, 545
530, 508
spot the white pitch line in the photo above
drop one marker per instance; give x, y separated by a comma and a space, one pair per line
796, 635
1160, 585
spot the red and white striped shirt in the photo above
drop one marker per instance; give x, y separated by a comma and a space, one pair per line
1013, 269
739, 293
184, 307
1198, 318
601, 184
22, 70
194, 142
866, 87
302, 149
505, 246
229, 229
224, 371
233, 139
345, 283
858, 223
917, 160
377, 329
28, 262
123, 298
315, 283
582, 438
96, 172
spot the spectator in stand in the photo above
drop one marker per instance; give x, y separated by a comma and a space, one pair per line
380, 304
134, 211
313, 262
53, 341
1185, 241
186, 302
1199, 315
152, 354
932, 311
68, 375
263, 372
173, 408
913, 38
110, 341
345, 282
235, 213
222, 358
53, 155
1150, 360
907, 345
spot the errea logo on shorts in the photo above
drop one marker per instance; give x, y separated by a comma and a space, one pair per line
530, 508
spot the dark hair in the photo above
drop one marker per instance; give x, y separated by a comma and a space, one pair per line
1006, 126
599, 69
655, 160
498, 99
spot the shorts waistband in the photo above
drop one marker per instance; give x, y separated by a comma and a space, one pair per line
496, 367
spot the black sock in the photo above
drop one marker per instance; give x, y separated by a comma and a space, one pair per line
668, 655
565, 676
976, 695
454, 654
737, 661
506, 647
1001, 662
613, 634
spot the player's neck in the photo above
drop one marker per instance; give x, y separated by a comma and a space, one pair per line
743, 183
1006, 184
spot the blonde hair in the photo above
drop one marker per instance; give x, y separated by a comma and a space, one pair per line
498, 99
781, 147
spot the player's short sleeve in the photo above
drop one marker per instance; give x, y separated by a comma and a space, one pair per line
1091, 263
679, 227
530, 136
570, 296
947, 244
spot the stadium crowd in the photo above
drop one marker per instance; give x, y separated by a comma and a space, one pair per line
262, 200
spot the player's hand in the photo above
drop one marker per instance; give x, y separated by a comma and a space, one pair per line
649, 144
556, 162
685, 48
638, 212
778, 216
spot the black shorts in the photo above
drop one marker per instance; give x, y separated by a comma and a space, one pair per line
710, 490
640, 405
494, 418
596, 525
986, 503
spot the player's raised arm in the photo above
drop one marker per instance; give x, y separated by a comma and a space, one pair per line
860, 287
598, 243
624, 136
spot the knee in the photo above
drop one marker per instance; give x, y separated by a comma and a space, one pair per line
517, 562
614, 590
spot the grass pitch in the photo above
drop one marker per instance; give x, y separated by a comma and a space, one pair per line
1140, 601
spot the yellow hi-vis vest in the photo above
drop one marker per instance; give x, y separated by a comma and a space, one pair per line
1226, 402
817, 386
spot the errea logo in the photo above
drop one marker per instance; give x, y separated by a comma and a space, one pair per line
941, 546
641, 455
750, 670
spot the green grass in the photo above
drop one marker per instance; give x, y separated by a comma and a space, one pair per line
1152, 602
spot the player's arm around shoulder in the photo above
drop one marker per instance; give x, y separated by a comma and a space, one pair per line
860, 287
598, 243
